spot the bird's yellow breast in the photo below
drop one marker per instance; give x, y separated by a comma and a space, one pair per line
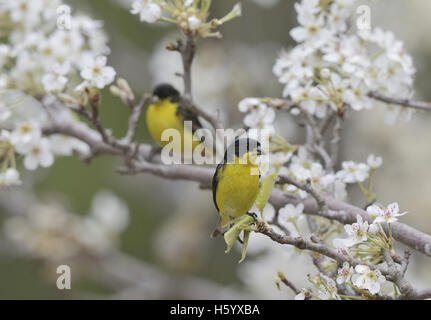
237, 189
161, 116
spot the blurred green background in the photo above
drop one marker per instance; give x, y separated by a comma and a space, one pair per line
160, 207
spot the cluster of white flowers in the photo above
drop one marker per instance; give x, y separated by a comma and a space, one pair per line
190, 15
43, 59
259, 114
365, 242
358, 232
50, 232
362, 277
330, 68
303, 169
353, 172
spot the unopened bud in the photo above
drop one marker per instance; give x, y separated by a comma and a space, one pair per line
67, 98
126, 91
93, 96
115, 91
83, 99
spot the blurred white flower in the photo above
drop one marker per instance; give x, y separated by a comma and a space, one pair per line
261, 117
393, 113
24, 134
374, 162
49, 231
147, 10
5, 52
194, 23
56, 80
110, 212
62, 145
5, 112
249, 104
290, 213
38, 153
365, 278
10, 178
353, 172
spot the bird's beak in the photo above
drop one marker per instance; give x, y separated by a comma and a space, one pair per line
154, 99
259, 152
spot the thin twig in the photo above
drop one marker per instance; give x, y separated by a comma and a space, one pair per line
187, 51
307, 187
401, 102
134, 120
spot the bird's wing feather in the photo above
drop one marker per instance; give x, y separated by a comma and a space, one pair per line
188, 115
215, 183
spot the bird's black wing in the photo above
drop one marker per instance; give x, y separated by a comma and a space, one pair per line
215, 183
189, 115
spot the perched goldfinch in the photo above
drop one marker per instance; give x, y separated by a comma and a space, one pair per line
166, 112
235, 183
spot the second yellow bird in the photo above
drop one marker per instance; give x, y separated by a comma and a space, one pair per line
166, 112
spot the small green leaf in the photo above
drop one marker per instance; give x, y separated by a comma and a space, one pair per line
244, 245
233, 233
265, 191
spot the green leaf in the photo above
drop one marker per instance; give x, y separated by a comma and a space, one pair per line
265, 191
233, 233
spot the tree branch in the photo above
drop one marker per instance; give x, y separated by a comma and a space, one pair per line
338, 210
401, 102
318, 247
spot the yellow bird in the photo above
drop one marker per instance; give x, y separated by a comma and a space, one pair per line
166, 112
235, 183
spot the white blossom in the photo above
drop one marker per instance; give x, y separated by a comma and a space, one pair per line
24, 134
62, 145
356, 232
374, 162
261, 117
353, 172
56, 80
97, 74
249, 104
290, 212
388, 215
37, 154
194, 23
110, 212
344, 273
10, 178
147, 10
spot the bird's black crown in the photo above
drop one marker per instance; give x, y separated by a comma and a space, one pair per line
240, 147
165, 90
